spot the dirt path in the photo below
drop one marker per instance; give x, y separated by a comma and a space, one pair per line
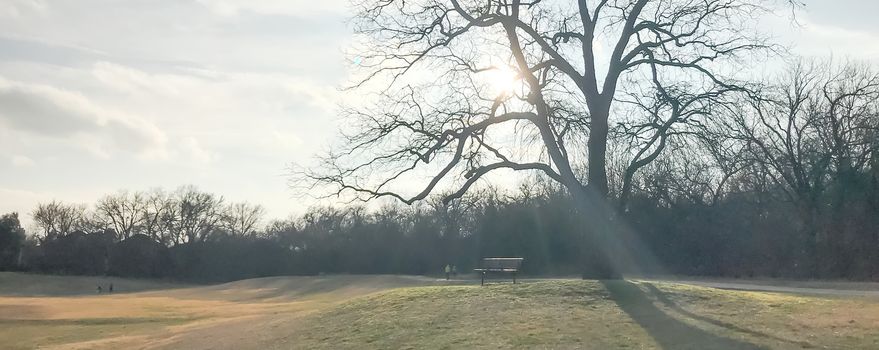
831, 288
834, 289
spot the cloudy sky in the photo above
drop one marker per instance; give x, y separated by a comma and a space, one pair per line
101, 95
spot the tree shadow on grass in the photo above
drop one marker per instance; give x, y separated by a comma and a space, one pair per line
665, 300
667, 331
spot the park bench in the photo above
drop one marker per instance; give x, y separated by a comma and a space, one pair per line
511, 265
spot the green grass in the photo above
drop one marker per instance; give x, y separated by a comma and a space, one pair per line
592, 315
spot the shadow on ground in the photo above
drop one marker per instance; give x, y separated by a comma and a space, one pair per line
665, 300
667, 331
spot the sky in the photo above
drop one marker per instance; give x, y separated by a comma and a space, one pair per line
102, 95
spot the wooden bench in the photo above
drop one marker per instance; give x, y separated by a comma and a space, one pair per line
511, 265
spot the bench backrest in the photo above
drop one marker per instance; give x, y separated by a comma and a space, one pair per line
502, 263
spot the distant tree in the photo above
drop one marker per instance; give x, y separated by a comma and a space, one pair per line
57, 219
242, 219
279, 228
159, 216
139, 256
809, 133
124, 212
199, 214
12, 238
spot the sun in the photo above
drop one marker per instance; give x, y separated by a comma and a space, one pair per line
500, 80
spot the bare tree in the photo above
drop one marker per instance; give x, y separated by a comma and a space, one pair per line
727, 155
431, 116
243, 219
812, 130
428, 60
672, 112
198, 215
56, 219
814, 123
849, 129
159, 216
124, 212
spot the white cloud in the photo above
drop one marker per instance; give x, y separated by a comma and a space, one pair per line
840, 40
18, 8
20, 201
209, 92
55, 113
257, 113
815, 34
197, 153
124, 78
20, 161
286, 7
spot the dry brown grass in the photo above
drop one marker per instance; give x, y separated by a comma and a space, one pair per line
246, 312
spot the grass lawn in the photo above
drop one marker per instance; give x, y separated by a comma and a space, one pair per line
592, 315
400, 312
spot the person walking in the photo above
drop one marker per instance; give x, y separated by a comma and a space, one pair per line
448, 271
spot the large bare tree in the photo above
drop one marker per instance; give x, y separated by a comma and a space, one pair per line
451, 91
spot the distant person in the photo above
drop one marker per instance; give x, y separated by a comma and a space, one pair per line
448, 271
454, 271
99, 289
111, 288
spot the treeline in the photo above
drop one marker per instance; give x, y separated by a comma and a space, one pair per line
779, 181
143, 234
741, 234
782, 181
193, 235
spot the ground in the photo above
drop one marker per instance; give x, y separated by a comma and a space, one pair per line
417, 312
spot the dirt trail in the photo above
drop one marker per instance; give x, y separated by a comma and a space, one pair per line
827, 288
838, 289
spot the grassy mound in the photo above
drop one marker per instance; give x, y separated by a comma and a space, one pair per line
592, 315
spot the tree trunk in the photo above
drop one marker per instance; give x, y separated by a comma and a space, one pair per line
600, 241
811, 255
597, 147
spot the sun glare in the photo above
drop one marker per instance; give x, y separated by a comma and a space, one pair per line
500, 81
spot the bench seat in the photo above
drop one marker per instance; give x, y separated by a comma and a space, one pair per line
510, 265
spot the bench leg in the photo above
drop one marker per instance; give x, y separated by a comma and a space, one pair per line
514, 278
482, 283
